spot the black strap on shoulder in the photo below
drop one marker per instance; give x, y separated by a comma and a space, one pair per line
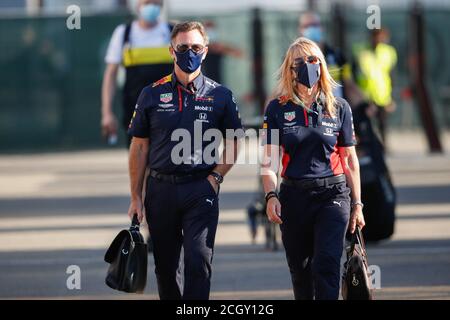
126, 35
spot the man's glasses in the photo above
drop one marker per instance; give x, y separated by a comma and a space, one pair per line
182, 48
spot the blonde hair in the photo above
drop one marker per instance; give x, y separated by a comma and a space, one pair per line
287, 86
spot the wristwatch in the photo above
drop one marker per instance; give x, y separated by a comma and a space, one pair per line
358, 203
217, 176
270, 195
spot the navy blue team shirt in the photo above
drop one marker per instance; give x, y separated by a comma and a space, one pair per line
309, 139
166, 105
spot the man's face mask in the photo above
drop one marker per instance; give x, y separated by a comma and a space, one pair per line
150, 12
308, 70
190, 58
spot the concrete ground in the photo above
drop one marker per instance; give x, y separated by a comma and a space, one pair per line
64, 209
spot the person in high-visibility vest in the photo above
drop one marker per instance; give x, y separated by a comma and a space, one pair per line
374, 64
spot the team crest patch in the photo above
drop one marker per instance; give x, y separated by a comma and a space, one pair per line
165, 97
289, 116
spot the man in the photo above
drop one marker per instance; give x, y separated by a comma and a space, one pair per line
374, 65
141, 47
310, 26
181, 202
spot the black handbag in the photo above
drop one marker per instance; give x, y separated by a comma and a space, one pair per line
355, 279
127, 256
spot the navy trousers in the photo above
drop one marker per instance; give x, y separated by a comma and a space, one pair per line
313, 230
182, 215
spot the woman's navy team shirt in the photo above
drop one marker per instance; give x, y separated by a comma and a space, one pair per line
309, 139
166, 106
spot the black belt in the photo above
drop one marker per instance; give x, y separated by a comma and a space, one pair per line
179, 178
314, 183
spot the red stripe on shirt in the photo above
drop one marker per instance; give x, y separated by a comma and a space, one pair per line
285, 161
306, 117
180, 99
335, 162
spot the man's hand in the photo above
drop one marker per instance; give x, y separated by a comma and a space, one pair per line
136, 208
213, 183
109, 124
273, 210
356, 218
371, 110
391, 107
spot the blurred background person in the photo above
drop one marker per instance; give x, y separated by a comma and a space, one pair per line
142, 48
373, 65
310, 26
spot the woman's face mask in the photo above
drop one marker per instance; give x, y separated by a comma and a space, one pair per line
307, 71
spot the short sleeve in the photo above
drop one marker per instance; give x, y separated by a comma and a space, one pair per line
114, 52
140, 124
232, 117
269, 125
346, 136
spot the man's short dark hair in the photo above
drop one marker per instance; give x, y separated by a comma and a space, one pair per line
189, 26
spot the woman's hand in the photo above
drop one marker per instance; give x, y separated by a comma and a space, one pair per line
356, 218
273, 210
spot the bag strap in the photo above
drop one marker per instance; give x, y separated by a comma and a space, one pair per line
136, 235
357, 238
126, 35
360, 238
135, 223
171, 26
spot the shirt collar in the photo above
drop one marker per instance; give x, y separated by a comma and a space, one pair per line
193, 86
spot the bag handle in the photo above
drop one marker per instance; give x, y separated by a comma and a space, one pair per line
357, 237
360, 238
135, 223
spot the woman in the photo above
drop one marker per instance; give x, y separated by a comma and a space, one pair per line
320, 189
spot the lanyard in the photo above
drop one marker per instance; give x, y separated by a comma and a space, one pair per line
310, 112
